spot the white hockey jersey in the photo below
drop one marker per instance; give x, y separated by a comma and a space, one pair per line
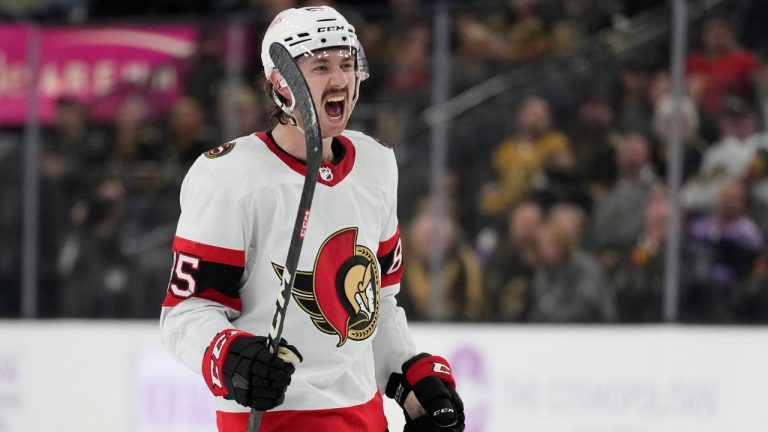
238, 206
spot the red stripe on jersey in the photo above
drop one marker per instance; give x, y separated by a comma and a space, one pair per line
392, 278
390, 256
390, 244
171, 300
337, 171
367, 417
213, 295
209, 294
210, 253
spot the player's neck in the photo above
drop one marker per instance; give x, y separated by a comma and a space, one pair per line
291, 139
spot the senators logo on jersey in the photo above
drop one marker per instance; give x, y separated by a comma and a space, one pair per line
341, 294
220, 150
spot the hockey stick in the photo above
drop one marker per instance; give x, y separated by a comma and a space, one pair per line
288, 68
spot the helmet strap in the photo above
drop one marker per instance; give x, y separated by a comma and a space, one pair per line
288, 109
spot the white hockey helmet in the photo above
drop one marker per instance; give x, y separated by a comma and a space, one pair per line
304, 31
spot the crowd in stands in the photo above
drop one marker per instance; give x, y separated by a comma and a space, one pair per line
558, 204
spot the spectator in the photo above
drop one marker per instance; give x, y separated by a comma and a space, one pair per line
406, 30
187, 133
757, 182
593, 137
242, 107
477, 49
616, 222
134, 137
71, 138
568, 285
460, 277
518, 159
565, 37
726, 159
509, 272
634, 110
751, 303
723, 246
571, 217
693, 144
574, 20
71, 151
206, 71
524, 31
155, 205
720, 67
410, 74
638, 275
95, 273
372, 36
134, 161
660, 88
561, 182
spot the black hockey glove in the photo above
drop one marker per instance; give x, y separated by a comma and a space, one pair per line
238, 366
430, 379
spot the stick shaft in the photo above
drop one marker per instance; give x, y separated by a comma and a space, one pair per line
288, 68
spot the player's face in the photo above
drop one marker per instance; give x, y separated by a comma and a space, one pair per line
330, 75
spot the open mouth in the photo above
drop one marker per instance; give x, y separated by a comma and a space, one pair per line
334, 106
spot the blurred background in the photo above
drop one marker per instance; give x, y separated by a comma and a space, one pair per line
562, 162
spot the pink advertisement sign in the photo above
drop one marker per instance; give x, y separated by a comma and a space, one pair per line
97, 65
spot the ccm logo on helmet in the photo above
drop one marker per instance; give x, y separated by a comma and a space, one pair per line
330, 29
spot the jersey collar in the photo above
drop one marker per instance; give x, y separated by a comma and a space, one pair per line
330, 174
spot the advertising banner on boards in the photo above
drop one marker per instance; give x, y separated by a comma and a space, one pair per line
97, 376
99, 66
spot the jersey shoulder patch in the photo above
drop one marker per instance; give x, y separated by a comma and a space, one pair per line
220, 150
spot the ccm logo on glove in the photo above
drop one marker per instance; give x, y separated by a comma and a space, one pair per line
441, 368
438, 407
213, 360
238, 366
425, 365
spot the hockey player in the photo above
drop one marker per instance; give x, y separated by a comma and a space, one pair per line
239, 200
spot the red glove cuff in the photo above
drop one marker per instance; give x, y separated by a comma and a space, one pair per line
429, 365
213, 360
